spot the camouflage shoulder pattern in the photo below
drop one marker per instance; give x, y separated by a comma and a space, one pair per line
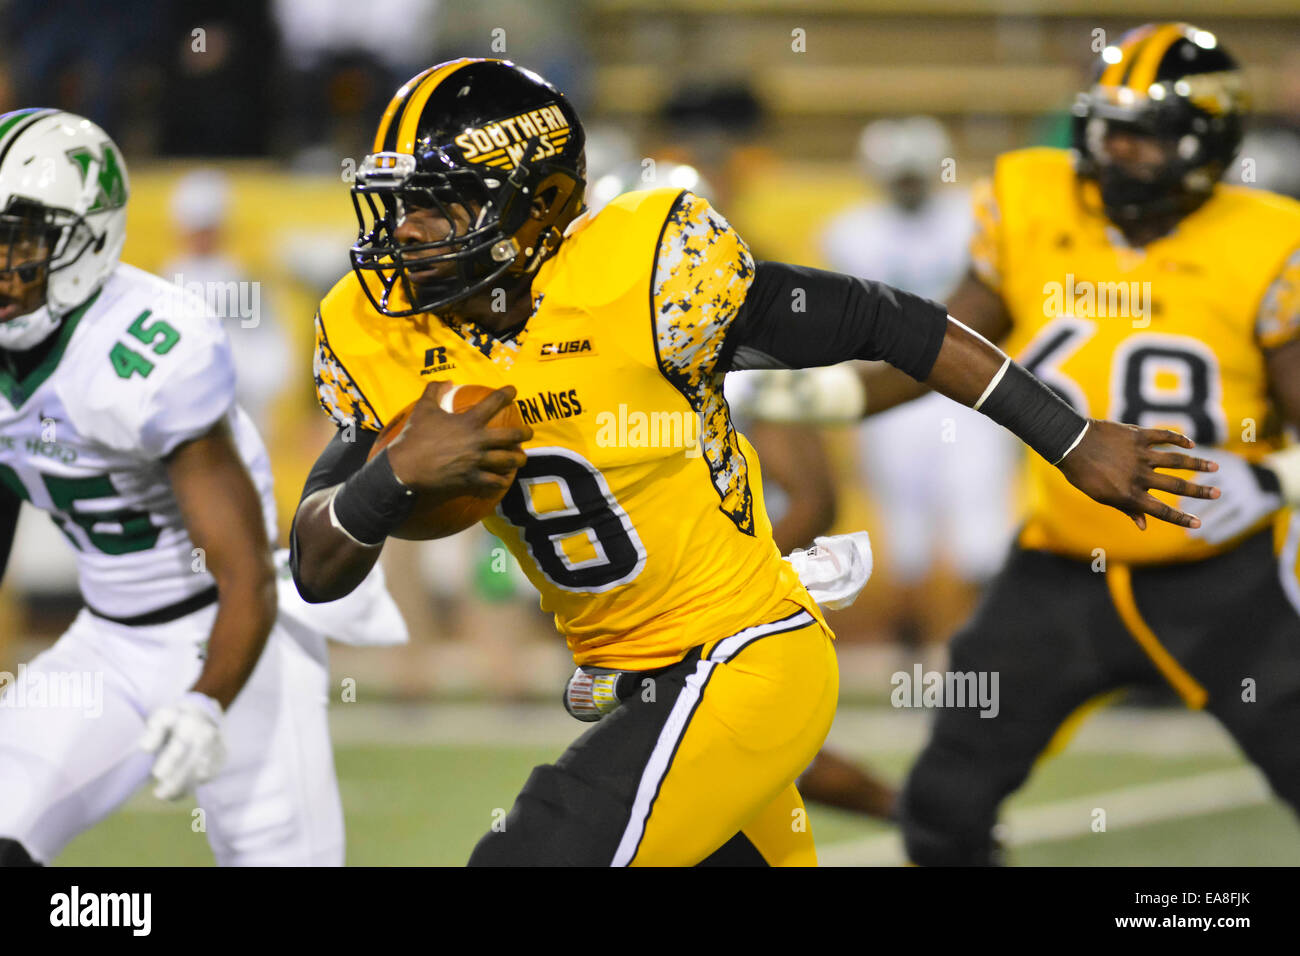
702, 271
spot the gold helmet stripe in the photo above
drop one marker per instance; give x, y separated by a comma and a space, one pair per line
1115, 73
394, 105
410, 118
1147, 62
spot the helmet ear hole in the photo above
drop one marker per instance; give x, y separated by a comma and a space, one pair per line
99, 243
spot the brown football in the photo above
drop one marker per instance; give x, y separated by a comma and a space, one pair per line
440, 519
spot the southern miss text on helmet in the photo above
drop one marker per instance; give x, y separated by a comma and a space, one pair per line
484, 135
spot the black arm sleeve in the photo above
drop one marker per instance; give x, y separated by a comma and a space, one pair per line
10, 505
796, 317
336, 464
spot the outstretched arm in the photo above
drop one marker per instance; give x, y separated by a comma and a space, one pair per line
981, 310
795, 317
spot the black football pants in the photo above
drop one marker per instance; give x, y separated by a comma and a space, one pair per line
1224, 632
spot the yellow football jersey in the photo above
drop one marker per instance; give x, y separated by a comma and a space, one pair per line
1171, 335
639, 515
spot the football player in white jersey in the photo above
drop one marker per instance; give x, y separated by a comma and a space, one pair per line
117, 417
941, 474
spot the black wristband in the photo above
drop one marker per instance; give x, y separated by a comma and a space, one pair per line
373, 502
1033, 413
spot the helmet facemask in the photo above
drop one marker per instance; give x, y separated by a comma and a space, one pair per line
1175, 88
35, 242
492, 238
1133, 191
37, 237
63, 195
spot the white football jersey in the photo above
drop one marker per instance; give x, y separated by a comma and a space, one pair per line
923, 252
135, 371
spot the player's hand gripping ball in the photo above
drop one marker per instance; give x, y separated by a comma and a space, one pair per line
458, 446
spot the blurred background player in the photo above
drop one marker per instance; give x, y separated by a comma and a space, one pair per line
939, 474
119, 419
1139, 287
200, 210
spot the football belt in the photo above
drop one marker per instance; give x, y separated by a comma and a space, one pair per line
834, 571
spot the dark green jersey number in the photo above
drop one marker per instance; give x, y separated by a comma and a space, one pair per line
137, 534
159, 336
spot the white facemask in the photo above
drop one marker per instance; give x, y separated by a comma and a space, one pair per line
27, 331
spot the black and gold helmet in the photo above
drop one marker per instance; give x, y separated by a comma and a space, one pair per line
486, 135
1177, 84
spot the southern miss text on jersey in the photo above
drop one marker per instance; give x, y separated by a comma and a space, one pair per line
639, 516
135, 371
1171, 335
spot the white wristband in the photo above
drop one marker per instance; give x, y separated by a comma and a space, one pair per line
1074, 444
337, 525
993, 383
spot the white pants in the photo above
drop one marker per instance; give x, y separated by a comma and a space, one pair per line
71, 723
941, 475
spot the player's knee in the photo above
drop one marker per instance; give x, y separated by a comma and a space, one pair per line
13, 853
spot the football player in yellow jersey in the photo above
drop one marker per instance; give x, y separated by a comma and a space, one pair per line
1127, 277
635, 507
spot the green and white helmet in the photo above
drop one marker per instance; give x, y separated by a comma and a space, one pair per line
61, 179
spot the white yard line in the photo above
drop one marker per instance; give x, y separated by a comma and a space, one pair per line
1126, 808
858, 731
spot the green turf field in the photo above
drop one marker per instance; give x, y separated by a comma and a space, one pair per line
1174, 798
